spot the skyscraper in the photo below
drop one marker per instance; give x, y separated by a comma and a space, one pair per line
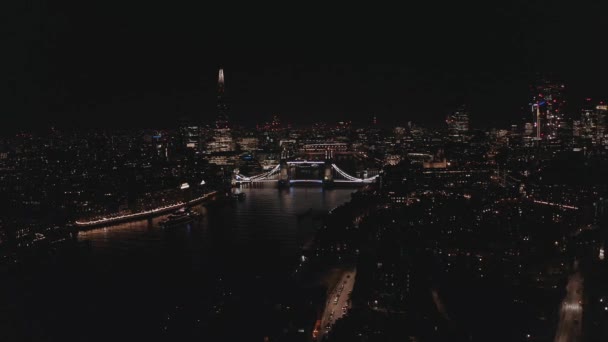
193, 136
222, 135
547, 109
222, 107
458, 124
593, 122
190, 134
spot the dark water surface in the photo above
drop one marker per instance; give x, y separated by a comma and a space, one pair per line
135, 281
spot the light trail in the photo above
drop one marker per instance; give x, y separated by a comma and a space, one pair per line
562, 206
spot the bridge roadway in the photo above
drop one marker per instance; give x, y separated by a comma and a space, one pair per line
320, 181
275, 173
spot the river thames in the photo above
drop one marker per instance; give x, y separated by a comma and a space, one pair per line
217, 277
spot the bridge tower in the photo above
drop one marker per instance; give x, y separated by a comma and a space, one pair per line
284, 174
328, 176
233, 179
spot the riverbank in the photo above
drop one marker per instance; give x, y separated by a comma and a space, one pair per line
331, 259
137, 281
105, 221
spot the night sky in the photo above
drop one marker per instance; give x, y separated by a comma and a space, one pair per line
119, 64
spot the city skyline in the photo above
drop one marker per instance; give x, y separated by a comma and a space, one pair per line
71, 68
201, 108
186, 172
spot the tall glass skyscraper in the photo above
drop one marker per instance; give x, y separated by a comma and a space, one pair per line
592, 124
458, 124
222, 135
547, 109
222, 106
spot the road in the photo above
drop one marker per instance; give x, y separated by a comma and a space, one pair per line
334, 309
439, 305
571, 311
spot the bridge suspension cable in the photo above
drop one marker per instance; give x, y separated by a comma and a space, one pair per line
351, 178
259, 177
266, 175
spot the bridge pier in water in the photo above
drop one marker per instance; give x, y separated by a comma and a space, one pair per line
284, 174
234, 182
328, 175
287, 173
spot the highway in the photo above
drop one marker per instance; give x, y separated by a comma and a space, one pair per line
334, 308
571, 311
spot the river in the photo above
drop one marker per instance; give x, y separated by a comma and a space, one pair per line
134, 281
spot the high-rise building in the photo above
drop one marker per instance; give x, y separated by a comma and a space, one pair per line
547, 109
189, 135
222, 106
193, 137
592, 124
458, 124
222, 135
249, 144
528, 129
602, 123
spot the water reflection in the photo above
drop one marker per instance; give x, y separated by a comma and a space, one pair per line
127, 279
264, 221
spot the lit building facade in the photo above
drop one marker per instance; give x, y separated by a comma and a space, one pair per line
222, 135
547, 110
458, 124
193, 137
592, 124
222, 106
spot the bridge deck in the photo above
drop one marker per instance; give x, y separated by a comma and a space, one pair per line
270, 175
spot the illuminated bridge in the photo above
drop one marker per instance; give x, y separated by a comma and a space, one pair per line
303, 171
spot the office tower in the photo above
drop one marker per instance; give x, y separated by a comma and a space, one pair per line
222, 135
222, 107
193, 137
458, 124
547, 110
592, 124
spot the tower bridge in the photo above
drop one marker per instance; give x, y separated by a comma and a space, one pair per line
303, 171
